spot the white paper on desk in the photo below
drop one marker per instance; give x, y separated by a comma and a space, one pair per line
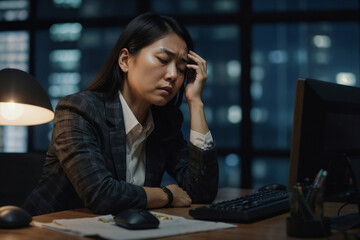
172, 225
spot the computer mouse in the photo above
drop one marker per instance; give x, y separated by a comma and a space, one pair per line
14, 217
273, 186
136, 219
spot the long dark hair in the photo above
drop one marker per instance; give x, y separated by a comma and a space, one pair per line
142, 31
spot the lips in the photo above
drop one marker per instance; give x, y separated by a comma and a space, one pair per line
167, 89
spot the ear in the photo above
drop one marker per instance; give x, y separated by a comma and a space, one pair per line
123, 60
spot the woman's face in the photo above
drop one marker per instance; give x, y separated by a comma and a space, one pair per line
156, 73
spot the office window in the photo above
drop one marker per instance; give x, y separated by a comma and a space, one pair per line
14, 50
302, 5
219, 46
68, 58
195, 6
14, 10
266, 170
324, 51
15, 139
14, 53
229, 170
71, 9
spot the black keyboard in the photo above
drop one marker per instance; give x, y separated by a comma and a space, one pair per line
245, 209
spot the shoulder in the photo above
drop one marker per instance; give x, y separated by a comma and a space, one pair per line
85, 100
85, 103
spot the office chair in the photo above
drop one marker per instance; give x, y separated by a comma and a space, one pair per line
19, 174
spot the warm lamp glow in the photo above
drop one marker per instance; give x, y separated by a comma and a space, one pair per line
17, 114
11, 111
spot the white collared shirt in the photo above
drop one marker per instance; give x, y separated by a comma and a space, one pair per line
136, 136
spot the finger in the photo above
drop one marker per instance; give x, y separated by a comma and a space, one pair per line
198, 65
196, 58
199, 70
193, 66
185, 199
197, 61
186, 202
194, 69
194, 54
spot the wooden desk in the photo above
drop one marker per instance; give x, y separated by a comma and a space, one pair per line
271, 228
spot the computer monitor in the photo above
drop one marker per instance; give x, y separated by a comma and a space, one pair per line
354, 165
326, 127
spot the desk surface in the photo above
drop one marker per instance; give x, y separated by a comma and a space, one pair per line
271, 228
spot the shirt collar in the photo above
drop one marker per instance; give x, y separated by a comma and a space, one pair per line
131, 121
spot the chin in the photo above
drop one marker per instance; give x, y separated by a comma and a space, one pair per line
161, 102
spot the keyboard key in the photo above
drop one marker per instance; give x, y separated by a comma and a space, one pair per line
246, 209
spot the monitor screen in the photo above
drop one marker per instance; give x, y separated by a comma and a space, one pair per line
326, 126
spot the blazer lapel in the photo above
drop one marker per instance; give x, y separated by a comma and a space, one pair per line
114, 115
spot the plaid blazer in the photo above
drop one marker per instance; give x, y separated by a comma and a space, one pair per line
86, 161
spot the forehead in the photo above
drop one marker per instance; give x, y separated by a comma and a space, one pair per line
170, 42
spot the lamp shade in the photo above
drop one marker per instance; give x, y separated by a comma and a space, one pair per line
23, 102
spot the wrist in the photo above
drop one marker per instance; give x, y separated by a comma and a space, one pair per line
197, 117
196, 105
169, 196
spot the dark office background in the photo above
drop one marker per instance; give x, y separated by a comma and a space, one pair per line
255, 49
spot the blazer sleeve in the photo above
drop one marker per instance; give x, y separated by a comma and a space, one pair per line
194, 169
79, 135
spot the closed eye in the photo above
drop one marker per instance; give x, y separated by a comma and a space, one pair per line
182, 71
163, 61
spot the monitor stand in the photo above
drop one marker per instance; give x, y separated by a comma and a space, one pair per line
352, 220
345, 222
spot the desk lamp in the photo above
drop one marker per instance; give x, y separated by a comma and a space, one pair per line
23, 102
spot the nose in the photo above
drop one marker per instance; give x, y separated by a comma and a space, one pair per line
171, 73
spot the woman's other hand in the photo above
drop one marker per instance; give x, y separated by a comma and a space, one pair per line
157, 198
181, 198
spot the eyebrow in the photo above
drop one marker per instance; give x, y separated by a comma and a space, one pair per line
167, 51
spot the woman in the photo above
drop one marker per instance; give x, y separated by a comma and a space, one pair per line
112, 143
